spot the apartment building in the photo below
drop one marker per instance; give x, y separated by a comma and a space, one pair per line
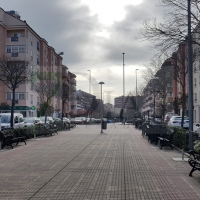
19, 40
69, 84
180, 82
123, 101
84, 100
196, 76
158, 93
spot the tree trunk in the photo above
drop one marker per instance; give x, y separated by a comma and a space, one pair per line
63, 103
12, 109
183, 107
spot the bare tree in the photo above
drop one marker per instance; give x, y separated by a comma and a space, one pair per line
180, 71
151, 69
139, 91
14, 72
46, 89
173, 30
158, 75
4, 106
63, 93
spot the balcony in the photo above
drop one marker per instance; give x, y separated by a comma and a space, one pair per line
14, 39
73, 81
65, 82
73, 88
14, 54
64, 73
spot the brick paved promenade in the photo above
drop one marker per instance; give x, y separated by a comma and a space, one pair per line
84, 164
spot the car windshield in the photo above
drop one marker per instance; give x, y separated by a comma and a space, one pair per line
5, 118
29, 120
178, 118
43, 118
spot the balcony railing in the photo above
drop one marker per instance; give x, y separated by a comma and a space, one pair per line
14, 39
73, 88
14, 55
73, 81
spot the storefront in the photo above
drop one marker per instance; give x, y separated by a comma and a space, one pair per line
25, 110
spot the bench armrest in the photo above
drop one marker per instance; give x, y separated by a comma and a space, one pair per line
194, 154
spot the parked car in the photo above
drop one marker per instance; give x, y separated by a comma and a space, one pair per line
176, 121
57, 120
78, 120
18, 120
65, 119
148, 119
31, 121
48, 121
168, 117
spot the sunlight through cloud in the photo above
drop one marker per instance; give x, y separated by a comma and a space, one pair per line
109, 11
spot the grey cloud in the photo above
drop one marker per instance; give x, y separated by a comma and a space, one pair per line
68, 26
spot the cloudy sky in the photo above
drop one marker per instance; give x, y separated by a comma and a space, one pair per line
93, 34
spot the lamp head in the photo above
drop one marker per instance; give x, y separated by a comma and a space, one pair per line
101, 83
61, 53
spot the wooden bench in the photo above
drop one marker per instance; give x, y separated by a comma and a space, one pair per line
8, 138
194, 161
166, 139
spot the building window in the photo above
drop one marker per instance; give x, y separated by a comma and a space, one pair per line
38, 74
31, 40
169, 94
168, 84
15, 49
38, 60
31, 98
18, 96
22, 49
22, 96
9, 96
8, 49
38, 101
38, 45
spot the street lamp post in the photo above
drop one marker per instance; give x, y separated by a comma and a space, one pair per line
89, 81
136, 93
190, 78
101, 83
123, 91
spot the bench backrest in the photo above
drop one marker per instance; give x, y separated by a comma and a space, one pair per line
6, 134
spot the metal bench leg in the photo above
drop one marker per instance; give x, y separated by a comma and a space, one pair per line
193, 169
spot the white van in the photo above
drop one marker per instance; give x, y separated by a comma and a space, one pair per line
18, 120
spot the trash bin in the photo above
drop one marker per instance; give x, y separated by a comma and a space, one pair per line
104, 123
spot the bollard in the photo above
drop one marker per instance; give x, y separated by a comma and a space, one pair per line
182, 154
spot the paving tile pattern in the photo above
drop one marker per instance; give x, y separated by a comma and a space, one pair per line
83, 164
